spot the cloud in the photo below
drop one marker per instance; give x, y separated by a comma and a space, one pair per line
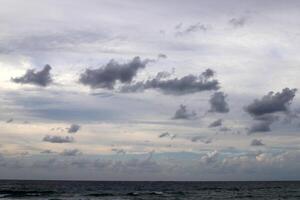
58, 139
184, 113
201, 139
264, 110
47, 151
177, 86
238, 22
108, 75
164, 56
210, 157
216, 123
70, 152
272, 103
119, 151
40, 78
190, 29
9, 120
74, 128
166, 134
218, 103
256, 142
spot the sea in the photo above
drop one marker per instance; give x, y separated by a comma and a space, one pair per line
119, 190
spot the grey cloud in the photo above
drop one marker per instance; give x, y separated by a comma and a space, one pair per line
238, 22
177, 86
261, 126
166, 134
70, 152
118, 151
162, 56
201, 139
216, 123
40, 78
256, 142
224, 129
108, 75
184, 113
190, 29
9, 120
58, 139
264, 110
47, 151
218, 103
74, 128
272, 103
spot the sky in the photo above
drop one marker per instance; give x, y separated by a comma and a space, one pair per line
169, 90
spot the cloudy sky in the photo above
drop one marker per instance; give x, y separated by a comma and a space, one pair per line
150, 90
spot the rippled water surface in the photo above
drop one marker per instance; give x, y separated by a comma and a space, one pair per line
148, 190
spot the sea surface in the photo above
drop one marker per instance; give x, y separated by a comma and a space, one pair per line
147, 190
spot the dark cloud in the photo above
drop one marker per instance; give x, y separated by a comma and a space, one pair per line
47, 151
70, 152
190, 29
161, 56
119, 151
177, 86
260, 126
272, 103
40, 78
166, 134
218, 103
108, 75
224, 129
74, 128
216, 123
9, 120
201, 139
238, 22
256, 142
264, 110
184, 113
58, 139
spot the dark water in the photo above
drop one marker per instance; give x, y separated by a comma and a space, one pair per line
148, 190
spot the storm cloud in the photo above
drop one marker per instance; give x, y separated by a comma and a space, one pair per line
178, 86
218, 103
40, 78
58, 139
108, 75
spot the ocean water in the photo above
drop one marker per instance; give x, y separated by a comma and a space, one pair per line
148, 190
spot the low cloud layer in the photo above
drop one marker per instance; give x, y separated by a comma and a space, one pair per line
108, 75
58, 139
70, 152
40, 78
